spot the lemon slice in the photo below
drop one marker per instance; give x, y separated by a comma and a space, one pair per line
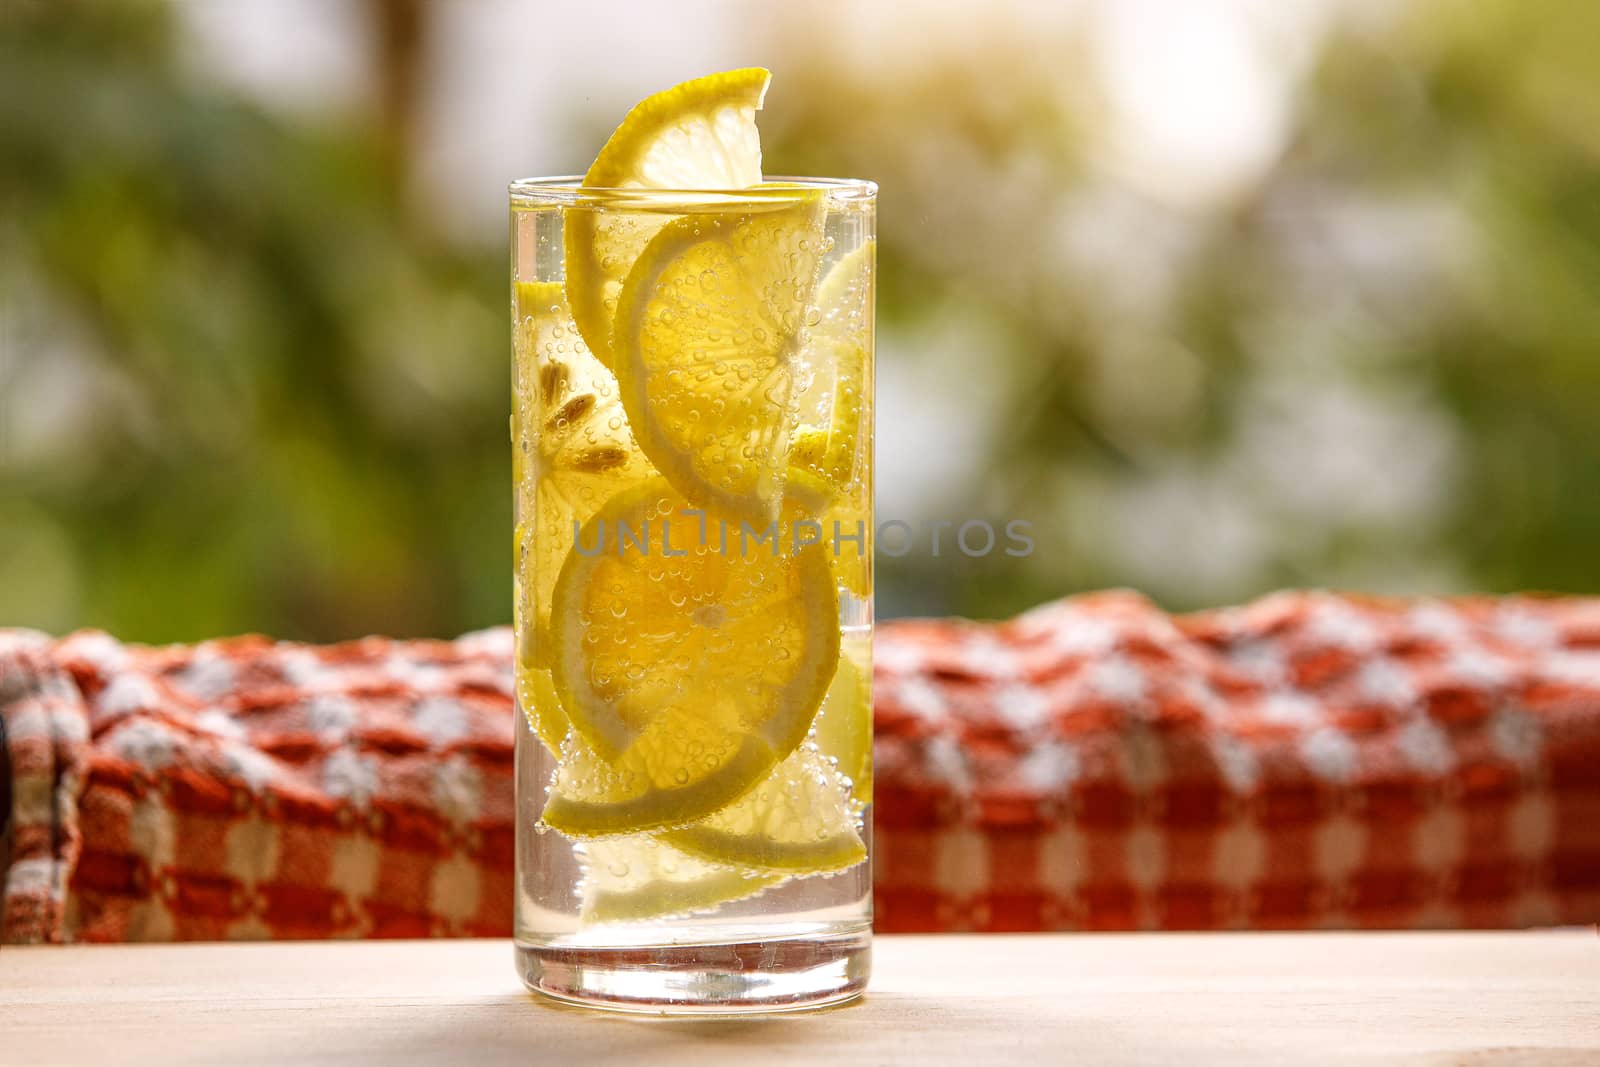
841, 522
707, 331
843, 729
835, 397
627, 879
536, 696
697, 135
688, 669
801, 820
572, 450
852, 564
809, 495
806, 495
834, 438
667, 778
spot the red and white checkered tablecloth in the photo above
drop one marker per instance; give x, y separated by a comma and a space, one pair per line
1308, 760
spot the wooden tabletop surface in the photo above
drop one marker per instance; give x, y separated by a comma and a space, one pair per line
1477, 998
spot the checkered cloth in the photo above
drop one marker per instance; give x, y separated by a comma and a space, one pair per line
244, 789
1308, 760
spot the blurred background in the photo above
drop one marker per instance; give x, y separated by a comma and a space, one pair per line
1221, 296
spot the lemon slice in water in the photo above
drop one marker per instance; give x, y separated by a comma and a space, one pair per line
843, 728
688, 664
835, 396
571, 449
629, 879
801, 820
705, 346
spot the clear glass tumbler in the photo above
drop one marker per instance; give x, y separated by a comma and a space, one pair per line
692, 443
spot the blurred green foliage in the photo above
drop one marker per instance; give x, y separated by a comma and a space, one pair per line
242, 387
1376, 366
288, 403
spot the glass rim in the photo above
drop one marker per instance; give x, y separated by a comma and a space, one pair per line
569, 190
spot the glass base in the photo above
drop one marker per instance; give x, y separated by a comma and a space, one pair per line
783, 974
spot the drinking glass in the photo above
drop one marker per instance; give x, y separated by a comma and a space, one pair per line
692, 457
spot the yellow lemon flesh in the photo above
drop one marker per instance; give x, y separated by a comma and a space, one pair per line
628, 879
700, 135
688, 403
536, 696
571, 449
800, 820
843, 729
834, 436
688, 677
705, 346
834, 398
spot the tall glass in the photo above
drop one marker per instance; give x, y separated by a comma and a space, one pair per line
692, 446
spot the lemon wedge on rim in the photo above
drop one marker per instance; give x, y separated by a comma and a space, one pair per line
700, 135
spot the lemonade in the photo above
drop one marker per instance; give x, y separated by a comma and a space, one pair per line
692, 455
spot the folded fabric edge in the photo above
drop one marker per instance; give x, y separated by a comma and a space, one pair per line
44, 750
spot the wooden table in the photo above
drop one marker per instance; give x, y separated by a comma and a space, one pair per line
1481, 999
